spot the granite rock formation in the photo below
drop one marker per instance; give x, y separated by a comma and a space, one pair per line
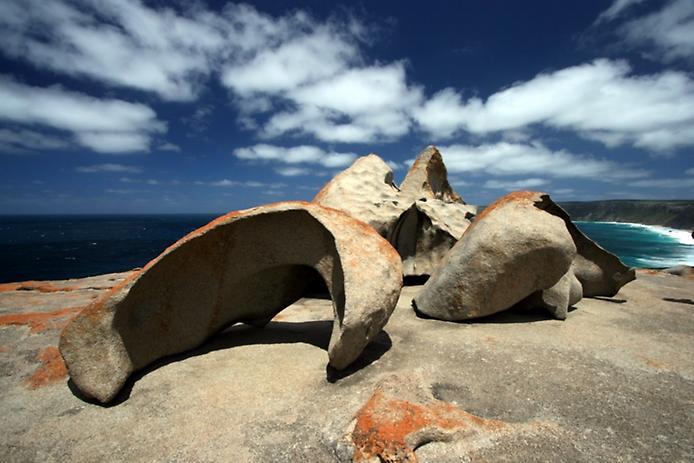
246, 267
522, 250
422, 219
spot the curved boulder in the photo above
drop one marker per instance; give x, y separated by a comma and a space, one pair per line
422, 219
245, 266
521, 250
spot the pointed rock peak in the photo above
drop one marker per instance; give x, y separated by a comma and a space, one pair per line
428, 178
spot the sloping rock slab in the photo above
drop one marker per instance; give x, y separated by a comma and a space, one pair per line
245, 266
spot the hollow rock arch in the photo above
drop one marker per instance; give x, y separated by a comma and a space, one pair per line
245, 266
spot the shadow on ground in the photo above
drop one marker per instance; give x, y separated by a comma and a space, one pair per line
512, 315
316, 333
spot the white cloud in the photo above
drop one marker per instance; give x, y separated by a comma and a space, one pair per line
173, 51
97, 168
355, 106
303, 59
226, 183
22, 140
292, 171
167, 146
616, 9
121, 43
295, 155
109, 126
689, 171
515, 159
316, 83
664, 183
599, 100
515, 184
669, 31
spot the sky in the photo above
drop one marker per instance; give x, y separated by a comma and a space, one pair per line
129, 106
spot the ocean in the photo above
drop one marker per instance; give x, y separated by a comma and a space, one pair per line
61, 247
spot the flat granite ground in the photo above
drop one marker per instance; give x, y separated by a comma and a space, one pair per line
614, 382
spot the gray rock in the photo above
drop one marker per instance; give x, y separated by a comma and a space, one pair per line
245, 266
423, 218
679, 270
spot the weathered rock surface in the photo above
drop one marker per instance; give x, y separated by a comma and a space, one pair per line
402, 414
513, 250
423, 218
245, 266
615, 384
523, 249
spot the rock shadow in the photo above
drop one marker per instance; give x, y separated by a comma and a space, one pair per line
315, 333
414, 280
679, 300
609, 299
512, 315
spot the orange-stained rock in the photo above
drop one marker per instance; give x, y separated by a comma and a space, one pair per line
422, 219
39, 322
246, 267
401, 415
40, 286
51, 370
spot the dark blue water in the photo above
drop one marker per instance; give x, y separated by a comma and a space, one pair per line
61, 247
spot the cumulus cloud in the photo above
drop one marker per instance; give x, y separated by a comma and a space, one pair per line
669, 32
108, 126
109, 168
122, 43
303, 154
519, 159
599, 100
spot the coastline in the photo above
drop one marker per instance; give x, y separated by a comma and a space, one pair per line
680, 234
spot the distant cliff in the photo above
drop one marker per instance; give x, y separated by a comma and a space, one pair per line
668, 213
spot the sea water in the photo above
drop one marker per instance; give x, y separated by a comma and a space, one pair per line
640, 245
61, 247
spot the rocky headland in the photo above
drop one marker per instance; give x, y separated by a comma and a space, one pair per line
665, 213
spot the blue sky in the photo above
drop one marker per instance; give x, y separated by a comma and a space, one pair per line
125, 106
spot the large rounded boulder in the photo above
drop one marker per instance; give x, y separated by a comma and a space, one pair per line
521, 250
513, 249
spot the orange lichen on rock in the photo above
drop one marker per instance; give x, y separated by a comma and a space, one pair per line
40, 286
391, 428
38, 322
529, 197
51, 370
